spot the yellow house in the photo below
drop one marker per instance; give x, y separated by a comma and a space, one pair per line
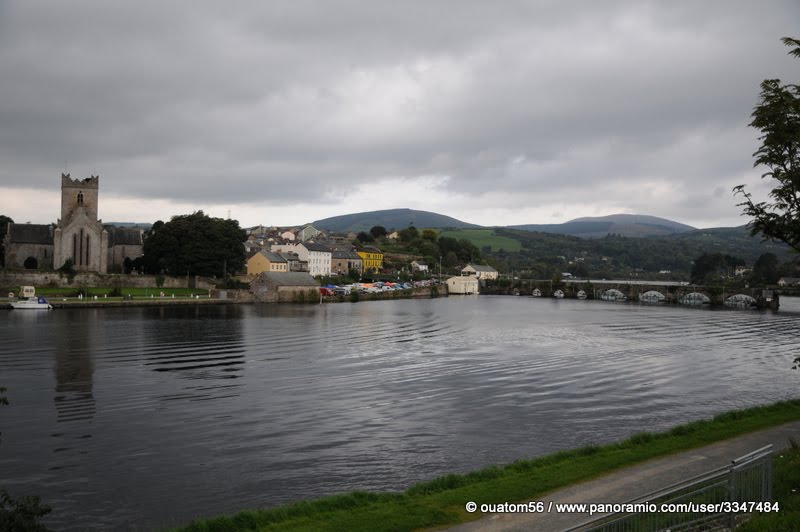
265, 261
372, 258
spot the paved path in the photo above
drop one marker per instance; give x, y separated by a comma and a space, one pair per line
634, 481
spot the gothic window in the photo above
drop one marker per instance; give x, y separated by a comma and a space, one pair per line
87, 250
80, 198
75, 247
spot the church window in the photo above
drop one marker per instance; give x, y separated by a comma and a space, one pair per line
75, 247
87, 250
80, 198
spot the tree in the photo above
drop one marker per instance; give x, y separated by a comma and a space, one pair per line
195, 244
765, 269
777, 117
711, 265
408, 234
430, 234
365, 238
378, 231
4, 221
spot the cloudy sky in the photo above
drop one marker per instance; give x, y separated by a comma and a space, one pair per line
281, 113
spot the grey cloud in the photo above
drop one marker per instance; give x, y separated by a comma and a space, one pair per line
285, 101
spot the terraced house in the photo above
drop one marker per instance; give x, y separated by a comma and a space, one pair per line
372, 258
266, 261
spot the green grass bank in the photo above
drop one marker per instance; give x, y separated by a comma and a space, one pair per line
440, 502
785, 491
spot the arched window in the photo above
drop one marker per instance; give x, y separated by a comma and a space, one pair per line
80, 198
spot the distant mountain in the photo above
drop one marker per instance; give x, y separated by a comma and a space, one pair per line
390, 219
140, 225
631, 225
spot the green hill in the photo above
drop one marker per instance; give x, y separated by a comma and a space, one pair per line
391, 219
631, 225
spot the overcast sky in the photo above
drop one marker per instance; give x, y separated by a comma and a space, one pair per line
281, 113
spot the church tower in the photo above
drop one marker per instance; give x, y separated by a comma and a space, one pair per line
79, 235
78, 195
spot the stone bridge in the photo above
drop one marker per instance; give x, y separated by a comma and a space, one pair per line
672, 292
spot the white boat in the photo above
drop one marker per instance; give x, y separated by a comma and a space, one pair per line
582, 294
558, 294
35, 303
536, 293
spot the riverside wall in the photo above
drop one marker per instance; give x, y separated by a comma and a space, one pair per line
13, 279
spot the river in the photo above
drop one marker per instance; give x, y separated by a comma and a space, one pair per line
147, 417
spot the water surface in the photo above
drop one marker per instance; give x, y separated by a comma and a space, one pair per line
145, 417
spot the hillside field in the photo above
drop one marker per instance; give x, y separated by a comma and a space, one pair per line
484, 237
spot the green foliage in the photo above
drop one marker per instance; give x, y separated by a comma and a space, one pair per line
765, 269
378, 231
408, 234
195, 244
21, 514
777, 117
68, 267
430, 235
4, 221
365, 238
713, 265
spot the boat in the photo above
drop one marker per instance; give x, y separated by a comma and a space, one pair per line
558, 294
32, 303
582, 294
536, 293
30, 300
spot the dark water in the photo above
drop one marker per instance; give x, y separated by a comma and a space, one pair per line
145, 417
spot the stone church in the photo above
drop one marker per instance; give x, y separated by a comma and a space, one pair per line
78, 235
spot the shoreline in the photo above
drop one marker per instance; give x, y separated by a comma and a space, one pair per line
440, 502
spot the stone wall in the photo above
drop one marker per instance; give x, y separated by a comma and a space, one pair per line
16, 255
14, 279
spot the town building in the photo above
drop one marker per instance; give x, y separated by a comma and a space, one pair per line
266, 261
464, 284
78, 235
480, 271
275, 287
372, 258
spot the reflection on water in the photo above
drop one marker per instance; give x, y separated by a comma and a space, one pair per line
215, 408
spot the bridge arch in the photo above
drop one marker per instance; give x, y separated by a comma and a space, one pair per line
740, 301
652, 296
694, 298
612, 294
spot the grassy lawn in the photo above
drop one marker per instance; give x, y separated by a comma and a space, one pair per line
485, 237
72, 292
785, 491
440, 502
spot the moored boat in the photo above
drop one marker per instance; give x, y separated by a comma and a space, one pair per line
30, 300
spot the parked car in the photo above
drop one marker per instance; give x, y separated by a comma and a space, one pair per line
325, 291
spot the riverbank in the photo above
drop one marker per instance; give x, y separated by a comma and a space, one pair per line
441, 501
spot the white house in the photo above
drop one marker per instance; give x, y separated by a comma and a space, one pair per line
418, 267
479, 271
788, 281
465, 284
317, 256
